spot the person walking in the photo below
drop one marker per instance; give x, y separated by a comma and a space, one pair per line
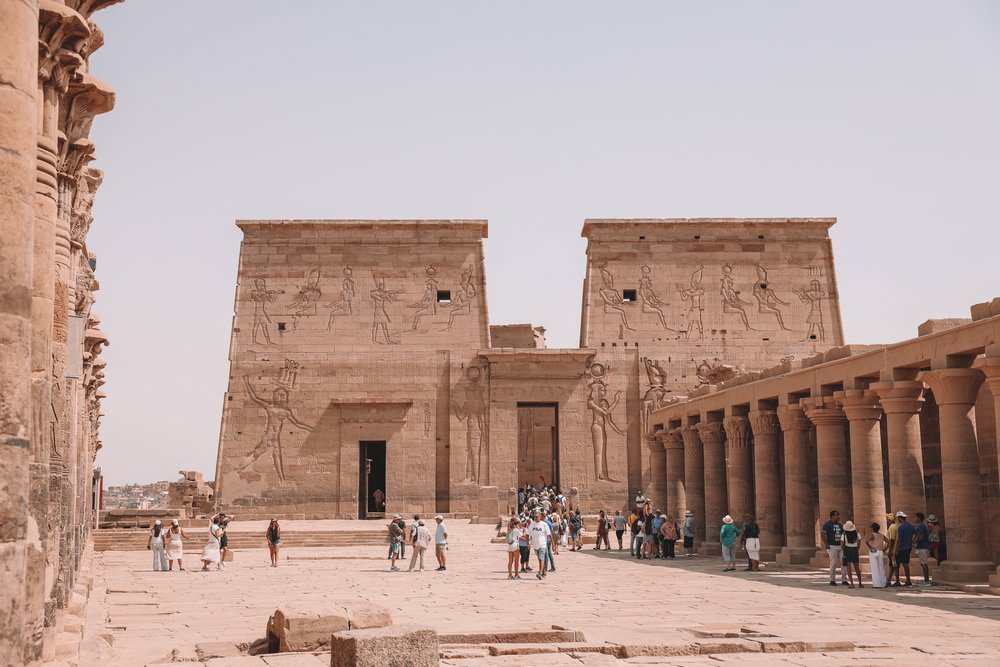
538, 537
175, 545
224, 538
576, 529
421, 541
850, 541
876, 544
727, 536
634, 541
921, 544
689, 527
396, 539
440, 543
155, 542
903, 546
668, 537
555, 523
212, 551
619, 527
402, 537
750, 538
550, 559
273, 536
514, 533
602, 531
522, 545
830, 533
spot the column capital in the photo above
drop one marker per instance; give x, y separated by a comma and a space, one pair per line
692, 441
990, 366
823, 410
793, 418
764, 422
954, 386
737, 431
859, 404
710, 432
901, 396
673, 439
654, 442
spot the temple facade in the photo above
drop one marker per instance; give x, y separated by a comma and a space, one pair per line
366, 377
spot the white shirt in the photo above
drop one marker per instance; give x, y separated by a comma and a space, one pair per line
538, 535
439, 535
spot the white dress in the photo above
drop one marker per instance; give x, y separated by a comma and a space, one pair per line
211, 551
175, 547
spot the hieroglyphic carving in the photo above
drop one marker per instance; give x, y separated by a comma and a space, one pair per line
732, 303
767, 300
461, 301
695, 293
261, 296
613, 301
473, 412
427, 419
428, 300
813, 295
304, 303
655, 393
380, 322
715, 371
601, 417
277, 412
342, 306
649, 302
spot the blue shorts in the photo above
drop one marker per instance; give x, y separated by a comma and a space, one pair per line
729, 552
542, 553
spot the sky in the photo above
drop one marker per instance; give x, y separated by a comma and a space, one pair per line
534, 116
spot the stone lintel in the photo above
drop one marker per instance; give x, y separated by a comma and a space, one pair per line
414, 229
716, 229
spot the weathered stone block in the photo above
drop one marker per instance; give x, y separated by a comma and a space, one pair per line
397, 646
305, 630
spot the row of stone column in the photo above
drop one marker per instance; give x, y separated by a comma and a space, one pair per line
711, 469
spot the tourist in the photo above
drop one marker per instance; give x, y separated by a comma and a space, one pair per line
538, 537
689, 528
521, 498
388, 538
750, 539
727, 536
876, 544
555, 523
892, 535
402, 540
396, 539
934, 538
640, 500
850, 542
633, 532
378, 495
414, 526
440, 543
421, 541
576, 529
550, 560
657, 524
211, 553
668, 536
640, 534
175, 545
648, 531
155, 542
903, 546
619, 527
921, 544
514, 533
830, 534
224, 539
523, 547
603, 528
273, 535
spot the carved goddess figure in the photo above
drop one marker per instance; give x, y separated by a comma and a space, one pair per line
462, 302
261, 296
732, 304
304, 303
428, 300
473, 413
767, 300
342, 306
601, 417
695, 293
814, 297
277, 412
613, 301
650, 303
380, 295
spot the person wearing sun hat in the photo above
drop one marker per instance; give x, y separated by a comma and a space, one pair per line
934, 537
727, 536
850, 541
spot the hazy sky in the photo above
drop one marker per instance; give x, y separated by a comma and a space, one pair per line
534, 115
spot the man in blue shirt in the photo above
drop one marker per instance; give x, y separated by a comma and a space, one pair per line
904, 544
550, 520
657, 522
830, 534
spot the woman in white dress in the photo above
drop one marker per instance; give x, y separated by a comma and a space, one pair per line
175, 545
876, 544
210, 554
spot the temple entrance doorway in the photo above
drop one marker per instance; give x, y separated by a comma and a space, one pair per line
537, 444
371, 481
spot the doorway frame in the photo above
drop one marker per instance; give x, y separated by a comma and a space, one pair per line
363, 478
555, 436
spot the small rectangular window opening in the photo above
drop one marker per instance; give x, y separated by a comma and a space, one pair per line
628, 295
444, 296
281, 326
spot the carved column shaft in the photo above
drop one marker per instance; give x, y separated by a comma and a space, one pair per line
902, 401
867, 482
716, 492
739, 467
832, 466
800, 519
676, 497
657, 470
990, 366
767, 484
694, 478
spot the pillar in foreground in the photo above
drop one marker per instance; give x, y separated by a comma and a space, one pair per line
800, 536
716, 494
864, 413
694, 478
657, 469
990, 366
832, 464
739, 467
902, 400
766, 481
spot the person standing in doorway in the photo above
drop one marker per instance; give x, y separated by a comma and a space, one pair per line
273, 536
830, 534
378, 495
689, 528
155, 542
440, 543
421, 541
619, 527
921, 544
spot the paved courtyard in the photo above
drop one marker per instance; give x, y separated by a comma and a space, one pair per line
153, 618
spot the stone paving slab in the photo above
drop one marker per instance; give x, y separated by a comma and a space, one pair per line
606, 596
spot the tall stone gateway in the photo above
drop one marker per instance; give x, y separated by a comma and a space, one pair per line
364, 381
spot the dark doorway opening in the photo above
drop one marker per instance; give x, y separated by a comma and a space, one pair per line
538, 443
371, 482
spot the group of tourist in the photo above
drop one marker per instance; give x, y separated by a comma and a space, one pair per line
167, 544
419, 536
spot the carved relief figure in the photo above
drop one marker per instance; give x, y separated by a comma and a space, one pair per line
655, 393
695, 293
461, 303
767, 300
278, 413
428, 300
304, 303
342, 306
380, 295
732, 304
649, 302
601, 417
261, 296
427, 419
613, 301
473, 412
814, 296
715, 371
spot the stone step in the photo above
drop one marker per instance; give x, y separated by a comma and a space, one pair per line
130, 540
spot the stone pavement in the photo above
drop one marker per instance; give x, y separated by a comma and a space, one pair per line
153, 618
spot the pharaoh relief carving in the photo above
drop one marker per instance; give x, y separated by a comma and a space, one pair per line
261, 296
767, 300
614, 304
380, 323
428, 300
472, 410
649, 302
695, 294
461, 300
813, 295
342, 306
601, 418
656, 391
277, 413
304, 303
732, 303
